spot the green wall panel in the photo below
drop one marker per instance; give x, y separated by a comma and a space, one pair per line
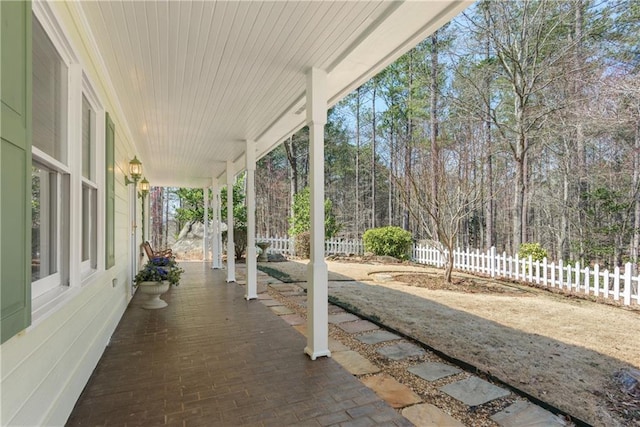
15, 168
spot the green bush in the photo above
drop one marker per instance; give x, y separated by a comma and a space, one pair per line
301, 220
392, 241
537, 252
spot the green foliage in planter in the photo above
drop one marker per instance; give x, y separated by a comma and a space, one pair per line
301, 220
391, 241
159, 269
537, 252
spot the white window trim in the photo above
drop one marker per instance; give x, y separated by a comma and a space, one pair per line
98, 138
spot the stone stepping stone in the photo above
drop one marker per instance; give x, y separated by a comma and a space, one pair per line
473, 391
270, 302
428, 415
293, 319
400, 351
342, 317
334, 309
302, 328
354, 362
292, 293
377, 337
335, 345
285, 287
357, 326
524, 413
281, 310
391, 391
432, 371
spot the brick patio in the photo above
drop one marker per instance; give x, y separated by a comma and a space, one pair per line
211, 358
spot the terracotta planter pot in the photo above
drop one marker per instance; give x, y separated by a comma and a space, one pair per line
154, 290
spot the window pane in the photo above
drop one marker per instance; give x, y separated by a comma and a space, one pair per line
49, 96
87, 149
44, 232
89, 225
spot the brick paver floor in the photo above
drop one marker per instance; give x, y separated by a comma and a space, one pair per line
213, 359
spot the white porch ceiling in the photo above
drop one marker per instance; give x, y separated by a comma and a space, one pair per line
195, 79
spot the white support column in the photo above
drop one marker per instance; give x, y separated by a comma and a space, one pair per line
317, 272
216, 248
231, 252
252, 269
218, 243
205, 229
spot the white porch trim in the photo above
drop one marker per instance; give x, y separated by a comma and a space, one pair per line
317, 271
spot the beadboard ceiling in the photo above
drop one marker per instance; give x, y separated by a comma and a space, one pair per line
195, 79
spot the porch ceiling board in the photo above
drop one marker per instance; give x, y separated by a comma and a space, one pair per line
196, 79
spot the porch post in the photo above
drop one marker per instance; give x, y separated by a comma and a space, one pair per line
231, 252
205, 230
317, 272
252, 272
218, 242
216, 248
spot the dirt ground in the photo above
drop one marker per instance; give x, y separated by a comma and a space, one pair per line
562, 350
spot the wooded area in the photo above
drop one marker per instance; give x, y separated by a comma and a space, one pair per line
517, 122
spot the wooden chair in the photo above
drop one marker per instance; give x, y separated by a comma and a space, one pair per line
154, 254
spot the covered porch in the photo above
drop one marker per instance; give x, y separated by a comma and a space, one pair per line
213, 358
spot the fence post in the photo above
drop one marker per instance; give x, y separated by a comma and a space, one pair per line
627, 283
492, 251
544, 271
560, 268
606, 283
596, 279
616, 283
530, 268
577, 282
587, 273
504, 264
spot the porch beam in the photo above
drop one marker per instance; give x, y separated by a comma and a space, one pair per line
317, 271
231, 252
252, 270
205, 230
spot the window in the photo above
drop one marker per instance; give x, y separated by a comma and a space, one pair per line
50, 177
89, 189
49, 97
49, 225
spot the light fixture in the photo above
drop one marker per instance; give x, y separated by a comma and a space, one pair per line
135, 170
144, 188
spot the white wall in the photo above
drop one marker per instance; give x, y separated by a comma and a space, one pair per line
44, 368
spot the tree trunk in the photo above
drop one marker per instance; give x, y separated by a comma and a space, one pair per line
636, 196
433, 122
357, 211
373, 155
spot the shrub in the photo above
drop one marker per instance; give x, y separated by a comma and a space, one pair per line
392, 241
303, 245
537, 252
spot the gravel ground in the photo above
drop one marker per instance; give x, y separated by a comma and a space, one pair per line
563, 351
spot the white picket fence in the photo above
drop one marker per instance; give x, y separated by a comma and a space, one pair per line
285, 246
619, 284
